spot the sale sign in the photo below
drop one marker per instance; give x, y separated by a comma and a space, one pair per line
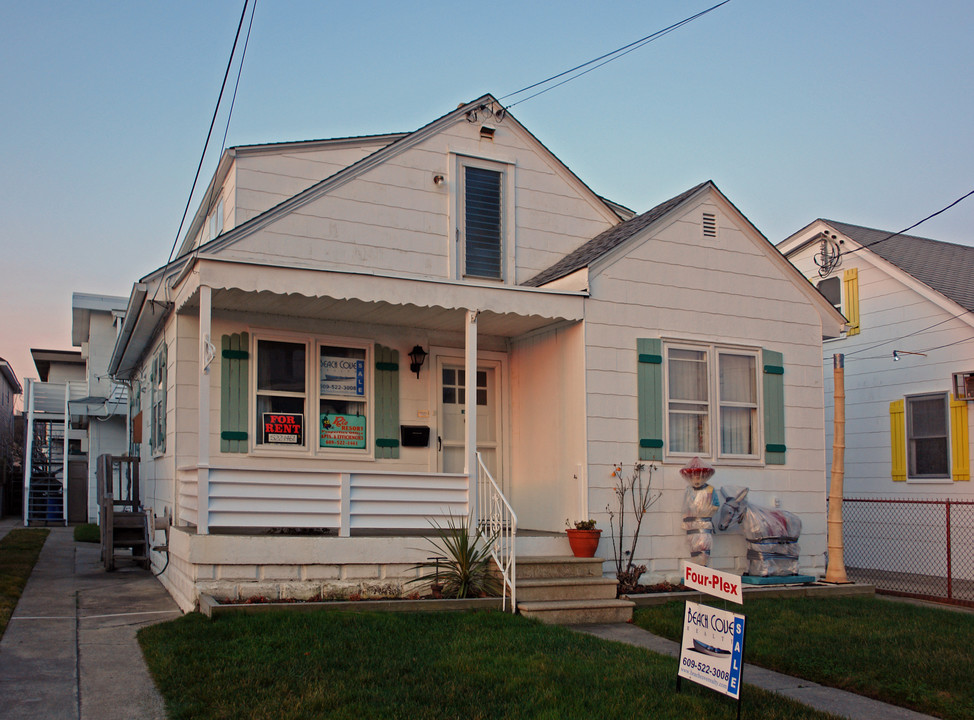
712, 651
713, 582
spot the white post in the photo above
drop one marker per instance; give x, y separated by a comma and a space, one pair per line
64, 458
28, 448
203, 462
470, 413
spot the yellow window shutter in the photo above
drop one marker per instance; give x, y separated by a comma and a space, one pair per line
897, 436
960, 448
851, 304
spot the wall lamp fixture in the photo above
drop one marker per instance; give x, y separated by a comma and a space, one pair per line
417, 356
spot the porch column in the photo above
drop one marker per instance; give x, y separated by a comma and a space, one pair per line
207, 353
470, 413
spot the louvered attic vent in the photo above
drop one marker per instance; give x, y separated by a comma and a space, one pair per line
709, 225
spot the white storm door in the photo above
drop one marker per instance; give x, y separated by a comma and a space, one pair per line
452, 398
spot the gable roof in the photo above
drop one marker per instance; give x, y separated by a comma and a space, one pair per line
609, 240
944, 267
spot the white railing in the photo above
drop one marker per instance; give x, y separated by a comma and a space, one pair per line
498, 523
341, 500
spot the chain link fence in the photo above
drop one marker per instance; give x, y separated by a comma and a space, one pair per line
913, 547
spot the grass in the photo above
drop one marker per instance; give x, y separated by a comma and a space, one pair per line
914, 656
18, 553
87, 532
287, 666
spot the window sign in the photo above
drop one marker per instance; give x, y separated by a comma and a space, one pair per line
342, 376
342, 431
283, 429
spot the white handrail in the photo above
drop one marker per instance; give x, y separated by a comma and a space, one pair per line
499, 524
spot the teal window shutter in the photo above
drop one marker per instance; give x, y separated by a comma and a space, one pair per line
774, 407
234, 382
649, 382
386, 402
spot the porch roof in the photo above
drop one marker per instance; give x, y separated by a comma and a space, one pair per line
359, 297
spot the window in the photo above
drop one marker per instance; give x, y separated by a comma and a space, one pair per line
323, 403
216, 219
281, 393
157, 401
696, 414
831, 288
927, 436
483, 236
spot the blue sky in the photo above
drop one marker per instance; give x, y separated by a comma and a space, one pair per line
855, 111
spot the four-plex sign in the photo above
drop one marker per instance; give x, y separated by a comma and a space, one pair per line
712, 650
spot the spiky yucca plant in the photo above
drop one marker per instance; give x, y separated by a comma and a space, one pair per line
465, 570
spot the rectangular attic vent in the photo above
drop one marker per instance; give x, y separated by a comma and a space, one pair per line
709, 225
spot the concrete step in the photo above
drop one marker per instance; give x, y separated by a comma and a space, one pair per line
576, 588
578, 612
536, 566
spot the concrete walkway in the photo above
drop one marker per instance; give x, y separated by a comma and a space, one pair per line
830, 700
69, 651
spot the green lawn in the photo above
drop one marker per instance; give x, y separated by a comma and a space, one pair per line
18, 553
915, 656
445, 665
87, 532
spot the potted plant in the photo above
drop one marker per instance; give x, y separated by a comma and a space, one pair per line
583, 538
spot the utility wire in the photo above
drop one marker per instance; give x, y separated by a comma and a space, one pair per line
209, 133
607, 58
924, 350
904, 230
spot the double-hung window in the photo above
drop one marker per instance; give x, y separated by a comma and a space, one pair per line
158, 381
927, 439
321, 404
712, 402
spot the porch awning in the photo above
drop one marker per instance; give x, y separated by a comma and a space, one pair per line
357, 297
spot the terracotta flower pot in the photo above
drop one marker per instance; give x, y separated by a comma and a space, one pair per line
584, 542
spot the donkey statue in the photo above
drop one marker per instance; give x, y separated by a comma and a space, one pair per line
771, 535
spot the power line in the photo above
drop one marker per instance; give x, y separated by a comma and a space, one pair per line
607, 57
206, 144
904, 230
924, 350
903, 337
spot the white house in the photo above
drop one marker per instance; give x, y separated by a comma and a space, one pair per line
909, 361
274, 389
74, 412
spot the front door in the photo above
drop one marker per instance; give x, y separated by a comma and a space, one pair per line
452, 424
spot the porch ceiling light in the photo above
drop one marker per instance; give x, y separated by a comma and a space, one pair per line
417, 356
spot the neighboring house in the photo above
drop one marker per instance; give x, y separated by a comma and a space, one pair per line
9, 390
909, 357
359, 335
75, 407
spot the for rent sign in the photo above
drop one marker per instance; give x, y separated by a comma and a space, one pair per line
283, 429
712, 651
713, 582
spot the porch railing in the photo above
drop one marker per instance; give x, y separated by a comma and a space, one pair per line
498, 523
339, 500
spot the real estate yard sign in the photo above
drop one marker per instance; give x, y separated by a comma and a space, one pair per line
712, 650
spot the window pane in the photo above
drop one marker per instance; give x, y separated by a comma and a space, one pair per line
832, 290
688, 375
342, 371
927, 436
688, 433
738, 382
280, 366
738, 431
482, 211
276, 404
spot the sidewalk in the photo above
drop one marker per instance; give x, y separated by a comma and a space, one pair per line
70, 651
830, 700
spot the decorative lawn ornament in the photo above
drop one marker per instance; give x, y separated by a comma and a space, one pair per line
771, 535
699, 506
